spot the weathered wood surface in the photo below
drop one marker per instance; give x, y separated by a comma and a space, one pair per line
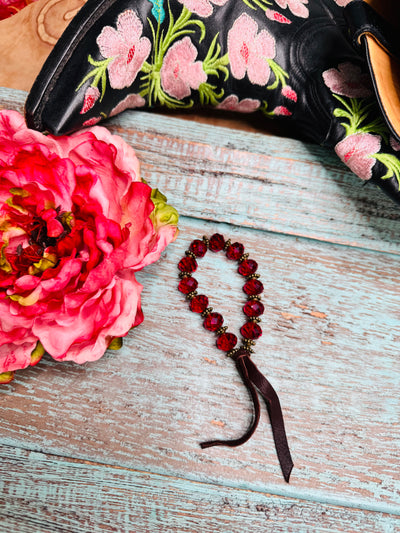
328, 254
88, 497
257, 181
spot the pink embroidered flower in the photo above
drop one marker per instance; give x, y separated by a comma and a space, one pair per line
180, 72
92, 94
232, 103
203, 8
91, 122
348, 80
249, 51
357, 152
281, 111
132, 101
394, 144
126, 49
297, 7
277, 17
342, 3
289, 93
76, 223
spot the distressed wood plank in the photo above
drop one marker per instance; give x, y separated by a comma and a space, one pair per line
330, 349
48, 494
254, 180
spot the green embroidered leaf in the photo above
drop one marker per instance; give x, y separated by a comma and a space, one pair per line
392, 163
341, 113
207, 94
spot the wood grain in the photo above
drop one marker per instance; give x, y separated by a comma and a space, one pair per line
54, 495
328, 254
253, 180
149, 405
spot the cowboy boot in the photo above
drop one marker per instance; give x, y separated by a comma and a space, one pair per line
40, 24
282, 58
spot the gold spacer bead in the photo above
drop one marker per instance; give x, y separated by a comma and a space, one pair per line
254, 297
185, 275
190, 254
206, 312
246, 347
248, 342
231, 353
244, 256
221, 330
255, 319
227, 244
253, 276
191, 295
206, 240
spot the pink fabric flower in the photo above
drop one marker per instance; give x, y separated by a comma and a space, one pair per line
297, 7
10, 7
203, 8
342, 3
348, 80
249, 51
131, 101
125, 46
76, 223
232, 103
180, 72
92, 94
357, 152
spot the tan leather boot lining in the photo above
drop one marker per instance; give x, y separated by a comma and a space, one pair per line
27, 38
386, 71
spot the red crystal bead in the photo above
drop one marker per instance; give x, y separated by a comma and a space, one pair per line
226, 342
251, 330
199, 303
187, 264
188, 284
247, 267
235, 251
198, 247
217, 242
213, 321
253, 308
252, 287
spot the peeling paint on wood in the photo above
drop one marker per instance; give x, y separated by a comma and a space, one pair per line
111, 443
52, 495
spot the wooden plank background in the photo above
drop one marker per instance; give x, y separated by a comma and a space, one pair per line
113, 445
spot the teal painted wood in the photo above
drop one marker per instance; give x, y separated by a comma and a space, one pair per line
334, 364
253, 180
53, 495
330, 348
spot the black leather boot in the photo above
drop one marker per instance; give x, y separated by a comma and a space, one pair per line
280, 58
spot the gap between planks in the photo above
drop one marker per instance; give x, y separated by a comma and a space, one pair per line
110, 479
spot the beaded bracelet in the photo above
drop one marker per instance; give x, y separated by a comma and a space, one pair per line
226, 341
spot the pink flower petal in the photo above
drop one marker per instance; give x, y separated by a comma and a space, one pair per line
78, 200
231, 103
180, 73
249, 52
357, 152
348, 80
